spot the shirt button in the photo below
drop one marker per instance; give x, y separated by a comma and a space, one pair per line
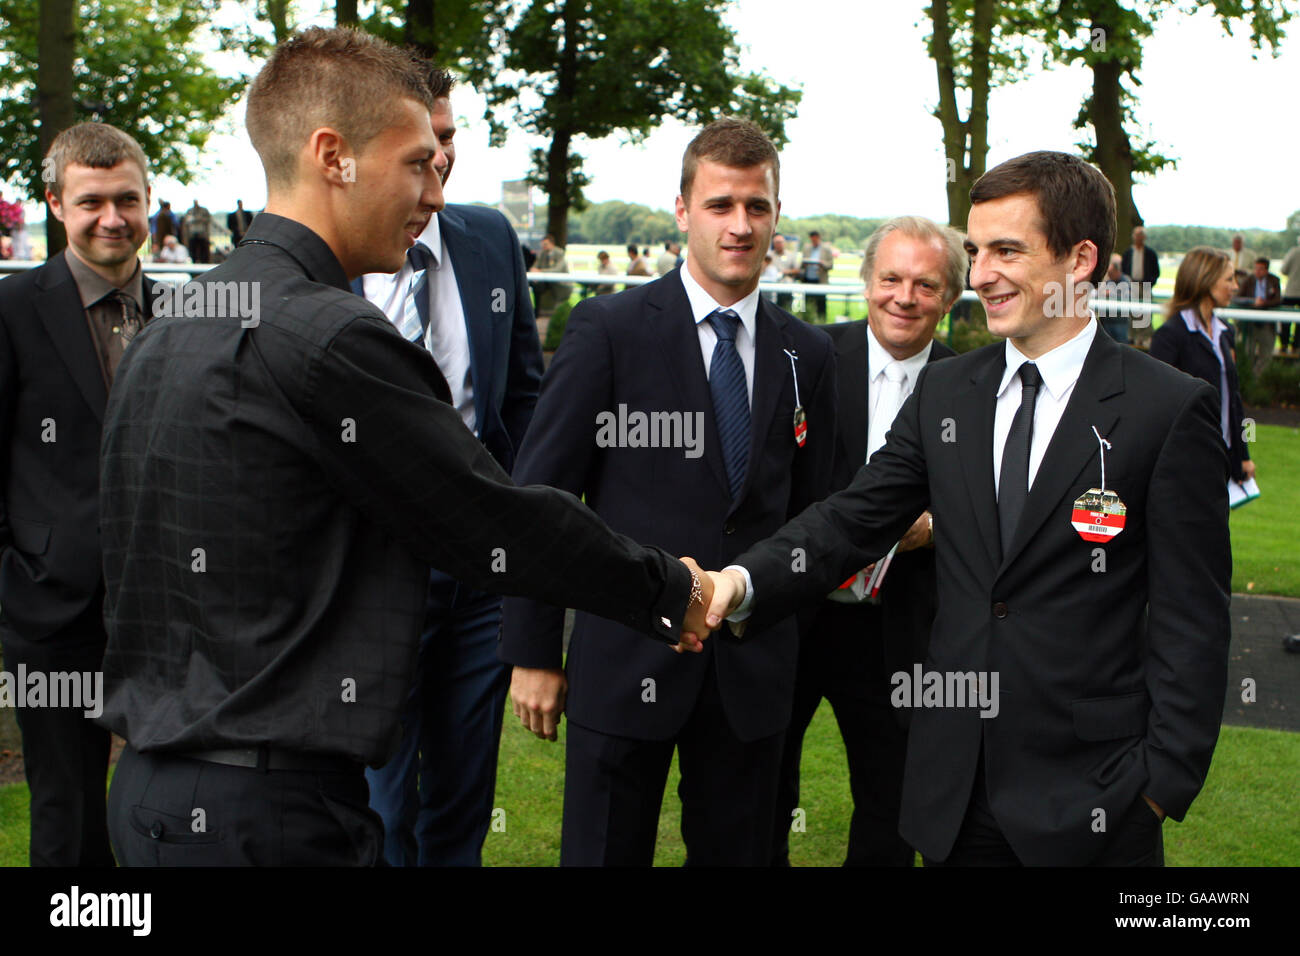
156, 831
1000, 610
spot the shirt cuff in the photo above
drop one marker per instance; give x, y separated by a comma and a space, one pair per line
746, 607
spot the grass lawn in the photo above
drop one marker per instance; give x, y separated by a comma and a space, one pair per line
1244, 816
1264, 532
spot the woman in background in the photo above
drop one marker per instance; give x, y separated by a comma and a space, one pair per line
1195, 341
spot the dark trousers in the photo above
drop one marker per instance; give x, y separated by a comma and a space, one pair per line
435, 794
167, 810
614, 786
1135, 838
785, 300
842, 658
65, 754
200, 249
1289, 332
816, 307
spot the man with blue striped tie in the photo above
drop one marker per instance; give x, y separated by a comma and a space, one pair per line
696, 415
463, 295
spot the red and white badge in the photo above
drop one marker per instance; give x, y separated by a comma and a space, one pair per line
800, 418
1098, 514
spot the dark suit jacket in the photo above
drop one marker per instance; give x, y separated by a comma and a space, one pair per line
49, 514
1190, 352
1099, 700
504, 349
1150, 265
640, 349
907, 598
1272, 286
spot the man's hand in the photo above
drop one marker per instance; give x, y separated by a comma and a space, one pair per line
1155, 807
694, 627
919, 535
1248, 467
728, 592
537, 695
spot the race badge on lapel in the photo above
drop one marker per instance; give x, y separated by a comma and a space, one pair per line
1098, 515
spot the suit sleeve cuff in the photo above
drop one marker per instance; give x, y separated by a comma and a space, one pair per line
746, 607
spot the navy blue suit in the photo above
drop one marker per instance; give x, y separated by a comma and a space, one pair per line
629, 700
452, 721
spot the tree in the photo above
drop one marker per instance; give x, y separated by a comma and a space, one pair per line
119, 62
975, 45
575, 69
1107, 37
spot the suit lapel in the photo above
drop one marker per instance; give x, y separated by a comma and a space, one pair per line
973, 412
680, 341
1073, 444
771, 368
854, 374
470, 269
58, 305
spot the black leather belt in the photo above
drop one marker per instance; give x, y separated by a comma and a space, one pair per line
265, 758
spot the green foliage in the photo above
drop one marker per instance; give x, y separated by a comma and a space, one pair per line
590, 68
1170, 239
618, 223
1263, 531
138, 67
1277, 384
968, 336
555, 326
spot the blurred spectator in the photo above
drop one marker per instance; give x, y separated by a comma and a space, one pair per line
552, 259
818, 260
163, 224
1290, 331
172, 251
1242, 259
637, 265
196, 231
606, 268
22, 243
1119, 287
1141, 264
786, 263
6, 247
238, 221
770, 274
1206, 279
669, 259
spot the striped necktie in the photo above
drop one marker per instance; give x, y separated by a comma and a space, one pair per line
730, 398
415, 314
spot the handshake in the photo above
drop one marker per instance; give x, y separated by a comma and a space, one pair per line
718, 595
538, 694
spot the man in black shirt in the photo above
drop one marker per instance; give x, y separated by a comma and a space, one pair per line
277, 482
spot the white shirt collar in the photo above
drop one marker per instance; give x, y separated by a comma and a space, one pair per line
431, 239
878, 358
1060, 367
1194, 324
703, 304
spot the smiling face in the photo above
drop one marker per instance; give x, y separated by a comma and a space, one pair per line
444, 128
1029, 295
729, 220
396, 190
105, 212
906, 293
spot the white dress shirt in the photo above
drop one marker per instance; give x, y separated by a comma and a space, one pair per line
877, 359
447, 338
1060, 369
703, 305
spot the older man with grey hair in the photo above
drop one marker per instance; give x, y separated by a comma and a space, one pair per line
876, 624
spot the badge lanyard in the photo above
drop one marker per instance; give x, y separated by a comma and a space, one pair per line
800, 419
1098, 514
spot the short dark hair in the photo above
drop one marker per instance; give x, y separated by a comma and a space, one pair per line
633, 250
1075, 201
814, 232
1263, 259
327, 76
733, 142
96, 145
440, 81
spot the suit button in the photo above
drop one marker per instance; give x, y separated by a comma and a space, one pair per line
1000, 610
729, 529
156, 831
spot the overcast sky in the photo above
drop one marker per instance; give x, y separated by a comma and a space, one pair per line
865, 142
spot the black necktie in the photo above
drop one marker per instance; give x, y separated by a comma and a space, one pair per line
730, 394
132, 321
1013, 482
